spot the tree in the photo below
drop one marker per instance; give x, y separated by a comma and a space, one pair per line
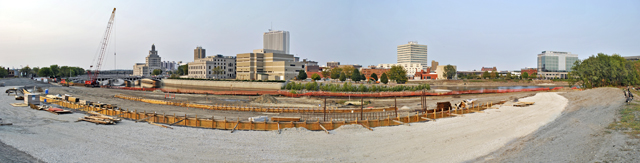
343, 76
348, 70
525, 75
55, 69
485, 74
156, 72
35, 70
533, 75
398, 74
44, 72
183, 70
494, 75
355, 75
384, 78
362, 77
449, 71
315, 77
302, 75
3, 72
335, 73
326, 73
26, 71
508, 77
217, 70
374, 76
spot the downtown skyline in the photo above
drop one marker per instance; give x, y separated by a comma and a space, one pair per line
468, 34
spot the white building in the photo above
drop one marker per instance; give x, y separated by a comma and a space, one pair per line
278, 41
555, 64
413, 53
152, 62
411, 68
204, 68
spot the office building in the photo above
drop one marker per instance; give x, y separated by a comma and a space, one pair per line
152, 62
333, 64
555, 64
213, 67
267, 66
199, 53
413, 53
278, 41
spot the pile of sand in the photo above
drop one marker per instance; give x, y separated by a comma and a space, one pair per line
266, 98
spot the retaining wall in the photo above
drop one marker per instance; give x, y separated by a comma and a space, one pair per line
222, 84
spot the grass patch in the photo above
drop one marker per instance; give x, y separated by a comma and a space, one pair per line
629, 120
477, 81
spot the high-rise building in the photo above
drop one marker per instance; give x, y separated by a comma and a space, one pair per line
555, 64
152, 62
278, 41
413, 53
198, 53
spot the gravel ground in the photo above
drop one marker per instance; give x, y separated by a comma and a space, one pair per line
578, 135
56, 138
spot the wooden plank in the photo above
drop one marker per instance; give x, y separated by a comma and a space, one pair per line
365, 126
325, 130
143, 119
177, 122
160, 125
402, 123
285, 119
234, 128
428, 119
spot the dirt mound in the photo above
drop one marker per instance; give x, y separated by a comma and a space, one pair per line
266, 98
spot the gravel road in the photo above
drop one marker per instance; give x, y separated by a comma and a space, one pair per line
578, 135
56, 138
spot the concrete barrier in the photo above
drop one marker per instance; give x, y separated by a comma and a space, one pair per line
239, 85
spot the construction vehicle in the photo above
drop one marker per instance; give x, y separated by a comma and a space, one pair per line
93, 76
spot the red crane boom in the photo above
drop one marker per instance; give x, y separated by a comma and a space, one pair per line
93, 76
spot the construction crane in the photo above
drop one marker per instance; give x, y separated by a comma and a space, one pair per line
93, 76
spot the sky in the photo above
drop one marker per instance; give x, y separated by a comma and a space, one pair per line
469, 34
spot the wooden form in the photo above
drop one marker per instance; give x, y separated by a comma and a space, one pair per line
266, 126
245, 108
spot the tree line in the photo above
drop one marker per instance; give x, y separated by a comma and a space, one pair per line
605, 70
348, 87
51, 71
396, 73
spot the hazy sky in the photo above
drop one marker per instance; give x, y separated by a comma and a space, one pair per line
470, 34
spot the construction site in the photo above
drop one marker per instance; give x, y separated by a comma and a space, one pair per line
264, 127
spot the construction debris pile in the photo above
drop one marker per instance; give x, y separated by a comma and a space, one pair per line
98, 118
266, 98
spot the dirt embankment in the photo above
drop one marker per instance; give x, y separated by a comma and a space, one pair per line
578, 135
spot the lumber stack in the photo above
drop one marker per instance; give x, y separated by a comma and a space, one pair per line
98, 118
523, 104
